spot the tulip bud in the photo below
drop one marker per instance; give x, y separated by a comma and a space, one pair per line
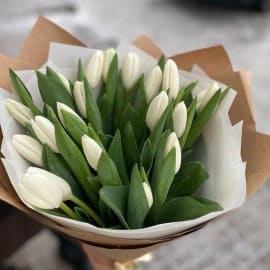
92, 151
156, 108
79, 96
130, 70
173, 142
94, 68
206, 95
45, 132
171, 79
148, 194
43, 189
29, 148
152, 83
64, 81
179, 117
108, 57
19, 112
63, 107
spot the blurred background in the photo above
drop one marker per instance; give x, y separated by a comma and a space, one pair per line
237, 241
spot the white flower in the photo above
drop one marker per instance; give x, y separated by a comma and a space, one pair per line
93, 71
152, 83
29, 148
108, 57
179, 117
43, 189
173, 142
92, 151
156, 108
64, 81
79, 96
148, 194
63, 107
18, 111
45, 132
130, 70
204, 96
171, 79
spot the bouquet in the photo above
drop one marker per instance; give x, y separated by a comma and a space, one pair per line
122, 150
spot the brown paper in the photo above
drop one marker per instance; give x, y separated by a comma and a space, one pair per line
255, 146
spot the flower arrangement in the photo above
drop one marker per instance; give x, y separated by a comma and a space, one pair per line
120, 160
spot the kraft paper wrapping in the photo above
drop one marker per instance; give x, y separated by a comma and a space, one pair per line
255, 146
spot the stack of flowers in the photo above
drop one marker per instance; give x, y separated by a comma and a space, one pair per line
116, 147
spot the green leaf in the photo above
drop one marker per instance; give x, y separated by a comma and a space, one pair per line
23, 92
184, 93
138, 207
74, 126
107, 101
54, 212
119, 104
156, 133
164, 179
30, 131
159, 157
189, 179
186, 208
107, 171
105, 113
191, 112
141, 103
55, 164
51, 73
130, 115
52, 91
116, 153
162, 61
80, 71
116, 199
202, 118
186, 154
131, 150
92, 110
81, 213
73, 157
147, 155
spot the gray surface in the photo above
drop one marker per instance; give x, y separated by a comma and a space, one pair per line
240, 239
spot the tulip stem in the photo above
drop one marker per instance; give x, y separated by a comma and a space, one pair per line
88, 210
69, 212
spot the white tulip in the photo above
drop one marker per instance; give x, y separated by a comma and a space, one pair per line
179, 118
204, 96
156, 108
171, 80
130, 70
92, 151
79, 96
108, 57
63, 107
43, 189
45, 132
148, 194
93, 71
152, 83
29, 148
64, 81
18, 111
172, 142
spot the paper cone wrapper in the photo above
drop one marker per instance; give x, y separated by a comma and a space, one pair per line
255, 146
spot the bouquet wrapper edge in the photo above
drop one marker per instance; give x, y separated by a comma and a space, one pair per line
255, 146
